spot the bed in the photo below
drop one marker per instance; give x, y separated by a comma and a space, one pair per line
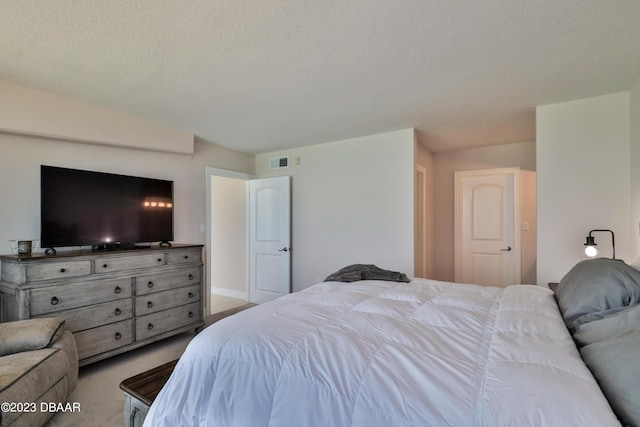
423, 353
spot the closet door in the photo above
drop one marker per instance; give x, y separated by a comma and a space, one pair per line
487, 244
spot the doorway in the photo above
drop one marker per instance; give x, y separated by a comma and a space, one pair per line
475, 189
248, 238
227, 239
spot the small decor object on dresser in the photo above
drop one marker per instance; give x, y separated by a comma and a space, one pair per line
24, 247
112, 301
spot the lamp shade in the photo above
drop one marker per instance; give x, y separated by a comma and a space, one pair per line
590, 249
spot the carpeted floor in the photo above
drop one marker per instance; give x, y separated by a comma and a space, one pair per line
98, 392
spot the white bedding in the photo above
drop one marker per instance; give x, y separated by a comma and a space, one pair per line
375, 353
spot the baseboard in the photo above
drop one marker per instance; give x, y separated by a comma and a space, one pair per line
231, 293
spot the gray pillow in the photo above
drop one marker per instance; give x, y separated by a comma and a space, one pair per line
615, 324
616, 366
597, 288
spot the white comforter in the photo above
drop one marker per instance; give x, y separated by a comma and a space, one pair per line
373, 353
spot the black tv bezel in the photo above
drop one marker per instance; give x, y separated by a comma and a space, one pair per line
95, 245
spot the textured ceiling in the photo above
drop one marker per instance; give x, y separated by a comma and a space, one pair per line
258, 76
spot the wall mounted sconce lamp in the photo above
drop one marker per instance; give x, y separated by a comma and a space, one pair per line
590, 249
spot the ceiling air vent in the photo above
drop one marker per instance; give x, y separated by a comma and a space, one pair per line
279, 162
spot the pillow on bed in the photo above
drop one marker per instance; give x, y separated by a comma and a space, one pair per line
619, 323
609, 347
596, 288
616, 366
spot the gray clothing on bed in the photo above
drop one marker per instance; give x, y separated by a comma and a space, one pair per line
357, 272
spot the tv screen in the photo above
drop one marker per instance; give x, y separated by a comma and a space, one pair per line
80, 208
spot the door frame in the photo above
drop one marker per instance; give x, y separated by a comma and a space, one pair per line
420, 223
209, 173
517, 216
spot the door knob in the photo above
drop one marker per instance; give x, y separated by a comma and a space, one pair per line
507, 249
285, 249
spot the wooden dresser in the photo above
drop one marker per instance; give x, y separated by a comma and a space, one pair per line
113, 301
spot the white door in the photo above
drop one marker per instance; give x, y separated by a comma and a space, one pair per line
269, 238
487, 248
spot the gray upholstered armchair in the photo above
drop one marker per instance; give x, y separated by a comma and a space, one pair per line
38, 363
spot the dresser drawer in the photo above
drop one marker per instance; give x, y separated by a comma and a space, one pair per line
149, 283
113, 264
167, 320
180, 257
158, 301
104, 338
57, 270
93, 316
73, 295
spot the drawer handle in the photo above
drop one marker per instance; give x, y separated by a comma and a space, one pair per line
186, 257
149, 304
132, 417
117, 290
54, 301
118, 312
191, 314
150, 326
62, 270
104, 265
118, 335
191, 277
190, 294
159, 259
150, 284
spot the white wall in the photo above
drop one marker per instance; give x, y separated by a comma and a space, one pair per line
522, 155
635, 169
528, 237
26, 111
583, 183
352, 202
229, 237
20, 179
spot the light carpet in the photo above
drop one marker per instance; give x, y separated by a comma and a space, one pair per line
98, 391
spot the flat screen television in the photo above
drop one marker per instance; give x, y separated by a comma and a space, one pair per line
103, 210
